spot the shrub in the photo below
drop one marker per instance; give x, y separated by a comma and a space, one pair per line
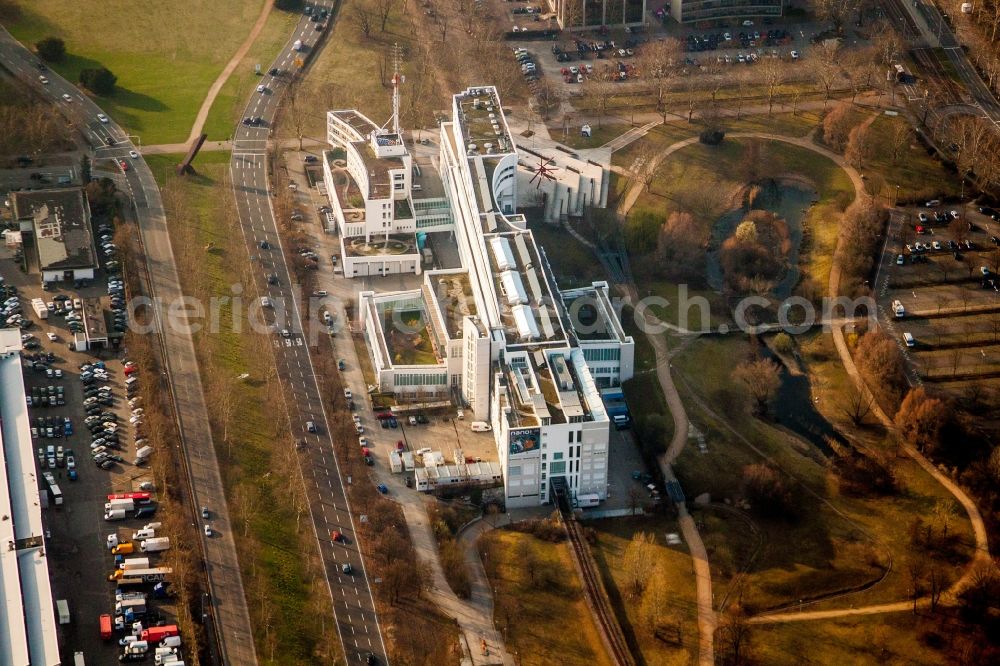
712, 137
99, 81
51, 49
783, 343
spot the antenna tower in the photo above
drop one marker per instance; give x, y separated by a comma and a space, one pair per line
397, 78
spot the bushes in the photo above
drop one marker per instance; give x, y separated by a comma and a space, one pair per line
99, 81
445, 521
51, 49
880, 361
767, 492
861, 232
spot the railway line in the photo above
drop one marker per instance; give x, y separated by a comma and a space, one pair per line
593, 587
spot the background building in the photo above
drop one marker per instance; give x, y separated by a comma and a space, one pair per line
589, 14
693, 11
55, 233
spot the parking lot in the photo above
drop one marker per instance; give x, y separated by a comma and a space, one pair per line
941, 296
86, 427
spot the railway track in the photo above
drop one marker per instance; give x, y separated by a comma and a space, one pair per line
599, 602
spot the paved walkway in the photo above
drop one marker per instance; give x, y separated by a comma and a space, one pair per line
213, 92
474, 615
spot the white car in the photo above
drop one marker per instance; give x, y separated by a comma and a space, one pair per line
208, 530
134, 155
52, 336
261, 88
348, 394
795, 55
67, 97
44, 80
103, 118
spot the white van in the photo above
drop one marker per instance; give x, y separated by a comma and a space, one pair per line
898, 309
480, 426
143, 534
908, 340
265, 302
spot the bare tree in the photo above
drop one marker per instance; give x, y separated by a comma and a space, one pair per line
600, 89
548, 98
659, 65
859, 145
825, 66
384, 9
761, 379
637, 562
899, 138
772, 75
858, 407
363, 19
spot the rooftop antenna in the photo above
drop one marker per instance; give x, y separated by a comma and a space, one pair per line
397, 79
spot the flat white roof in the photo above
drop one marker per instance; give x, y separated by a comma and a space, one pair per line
513, 288
27, 620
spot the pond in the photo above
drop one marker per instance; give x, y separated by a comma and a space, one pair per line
793, 407
790, 202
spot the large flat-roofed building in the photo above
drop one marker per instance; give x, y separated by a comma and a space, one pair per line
496, 334
694, 11
56, 224
27, 614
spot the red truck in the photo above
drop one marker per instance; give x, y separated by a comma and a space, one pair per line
138, 497
105, 627
157, 634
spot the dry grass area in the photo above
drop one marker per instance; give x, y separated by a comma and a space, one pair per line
840, 539
441, 53
539, 604
675, 640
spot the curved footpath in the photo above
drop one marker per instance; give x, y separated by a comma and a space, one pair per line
213, 92
975, 518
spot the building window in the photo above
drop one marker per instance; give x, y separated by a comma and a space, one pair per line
557, 456
558, 468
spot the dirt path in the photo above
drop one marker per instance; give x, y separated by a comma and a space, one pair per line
213, 92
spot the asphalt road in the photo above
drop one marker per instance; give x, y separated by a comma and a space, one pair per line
222, 565
354, 606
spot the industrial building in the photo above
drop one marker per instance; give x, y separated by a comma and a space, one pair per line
27, 614
497, 335
55, 233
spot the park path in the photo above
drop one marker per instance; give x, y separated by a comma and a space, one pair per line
213, 92
707, 616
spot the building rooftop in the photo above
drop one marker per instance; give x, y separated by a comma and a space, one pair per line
482, 122
93, 320
379, 182
60, 221
27, 615
592, 315
359, 123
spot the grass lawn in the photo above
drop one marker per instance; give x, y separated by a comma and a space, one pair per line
841, 540
546, 620
598, 137
290, 613
231, 100
863, 640
673, 562
919, 176
165, 55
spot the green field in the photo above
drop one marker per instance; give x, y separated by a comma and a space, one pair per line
165, 55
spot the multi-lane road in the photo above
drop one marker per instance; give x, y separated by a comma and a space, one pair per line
354, 606
231, 616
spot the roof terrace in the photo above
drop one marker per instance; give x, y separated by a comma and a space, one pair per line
482, 122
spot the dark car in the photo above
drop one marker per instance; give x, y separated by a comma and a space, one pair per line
272, 278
